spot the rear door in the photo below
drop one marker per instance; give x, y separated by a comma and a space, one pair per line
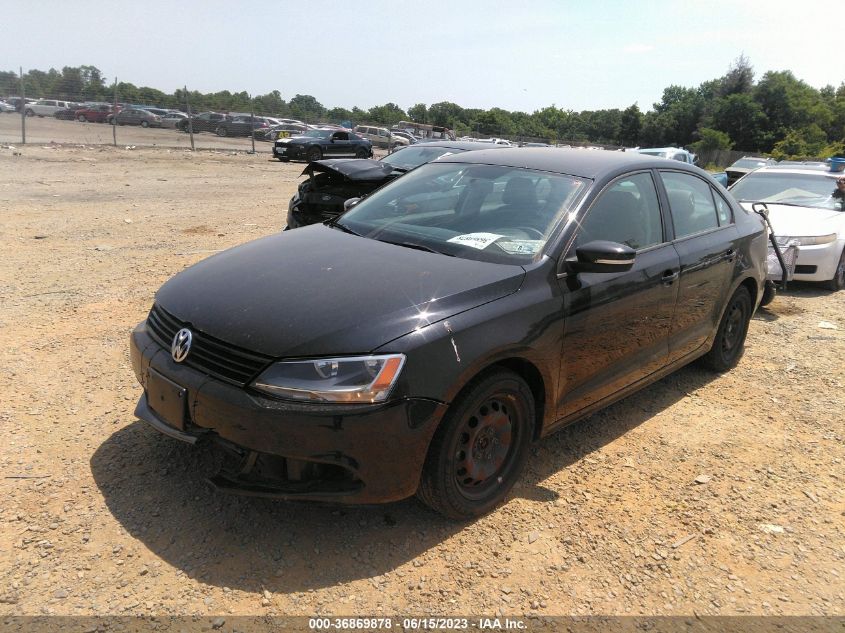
616, 325
706, 239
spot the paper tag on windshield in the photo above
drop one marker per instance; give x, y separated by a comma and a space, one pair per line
476, 240
521, 247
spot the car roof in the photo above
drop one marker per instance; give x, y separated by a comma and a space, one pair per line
567, 161
462, 145
807, 170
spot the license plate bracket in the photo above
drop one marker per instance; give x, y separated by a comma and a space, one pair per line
167, 399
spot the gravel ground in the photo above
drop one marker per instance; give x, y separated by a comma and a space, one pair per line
701, 494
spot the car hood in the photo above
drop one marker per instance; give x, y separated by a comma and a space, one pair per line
316, 291
799, 221
365, 169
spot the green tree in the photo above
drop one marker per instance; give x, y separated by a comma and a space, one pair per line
387, 114
418, 113
306, 108
630, 124
741, 118
711, 139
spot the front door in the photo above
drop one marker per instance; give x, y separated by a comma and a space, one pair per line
616, 325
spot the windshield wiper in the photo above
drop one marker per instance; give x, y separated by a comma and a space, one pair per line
337, 225
419, 247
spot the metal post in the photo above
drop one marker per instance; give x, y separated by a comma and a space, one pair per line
252, 122
114, 116
190, 118
23, 109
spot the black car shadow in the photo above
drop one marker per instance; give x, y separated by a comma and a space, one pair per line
155, 487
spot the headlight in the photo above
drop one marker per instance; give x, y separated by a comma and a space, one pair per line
811, 240
349, 380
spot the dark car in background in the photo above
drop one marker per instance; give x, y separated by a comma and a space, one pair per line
203, 122
332, 182
422, 348
322, 143
242, 125
136, 116
68, 113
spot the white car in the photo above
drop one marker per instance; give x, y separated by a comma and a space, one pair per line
803, 209
49, 107
6, 107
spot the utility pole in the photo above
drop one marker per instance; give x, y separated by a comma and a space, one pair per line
252, 122
190, 118
23, 110
114, 116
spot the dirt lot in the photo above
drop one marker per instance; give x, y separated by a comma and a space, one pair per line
102, 515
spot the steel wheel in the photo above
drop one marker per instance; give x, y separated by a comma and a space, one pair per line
729, 342
479, 450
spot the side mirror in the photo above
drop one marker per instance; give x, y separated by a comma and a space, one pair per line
601, 256
351, 202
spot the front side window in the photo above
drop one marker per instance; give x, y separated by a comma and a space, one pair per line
484, 212
691, 203
627, 212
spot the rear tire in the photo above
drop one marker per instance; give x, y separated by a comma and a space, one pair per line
480, 448
361, 153
838, 281
769, 294
222, 131
29, 112
730, 337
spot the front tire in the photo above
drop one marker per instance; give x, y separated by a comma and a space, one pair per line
81, 118
222, 131
480, 448
314, 153
730, 337
361, 153
769, 294
145, 124
838, 281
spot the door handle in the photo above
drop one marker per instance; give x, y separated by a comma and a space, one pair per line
669, 277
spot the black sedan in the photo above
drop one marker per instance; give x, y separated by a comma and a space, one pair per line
332, 182
423, 340
319, 144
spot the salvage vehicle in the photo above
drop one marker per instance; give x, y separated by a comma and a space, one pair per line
804, 209
94, 113
203, 122
48, 107
332, 182
675, 153
320, 143
136, 116
242, 125
381, 137
421, 342
746, 165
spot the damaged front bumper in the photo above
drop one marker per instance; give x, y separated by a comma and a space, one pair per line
286, 450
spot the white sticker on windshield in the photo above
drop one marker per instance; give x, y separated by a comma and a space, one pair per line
521, 247
476, 240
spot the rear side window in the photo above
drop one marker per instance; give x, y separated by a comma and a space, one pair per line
627, 212
691, 202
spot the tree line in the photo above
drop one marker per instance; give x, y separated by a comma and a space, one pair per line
778, 114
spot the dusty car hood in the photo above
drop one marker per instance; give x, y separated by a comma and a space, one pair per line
365, 169
317, 290
800, 221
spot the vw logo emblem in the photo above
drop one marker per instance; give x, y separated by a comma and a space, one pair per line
181, 345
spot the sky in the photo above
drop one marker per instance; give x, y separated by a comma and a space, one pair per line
516, 55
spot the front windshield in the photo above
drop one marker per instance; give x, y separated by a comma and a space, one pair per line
410, 157
483, 212
806, 190
318, 133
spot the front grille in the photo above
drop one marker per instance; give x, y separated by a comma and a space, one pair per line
806, 270
208, 354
